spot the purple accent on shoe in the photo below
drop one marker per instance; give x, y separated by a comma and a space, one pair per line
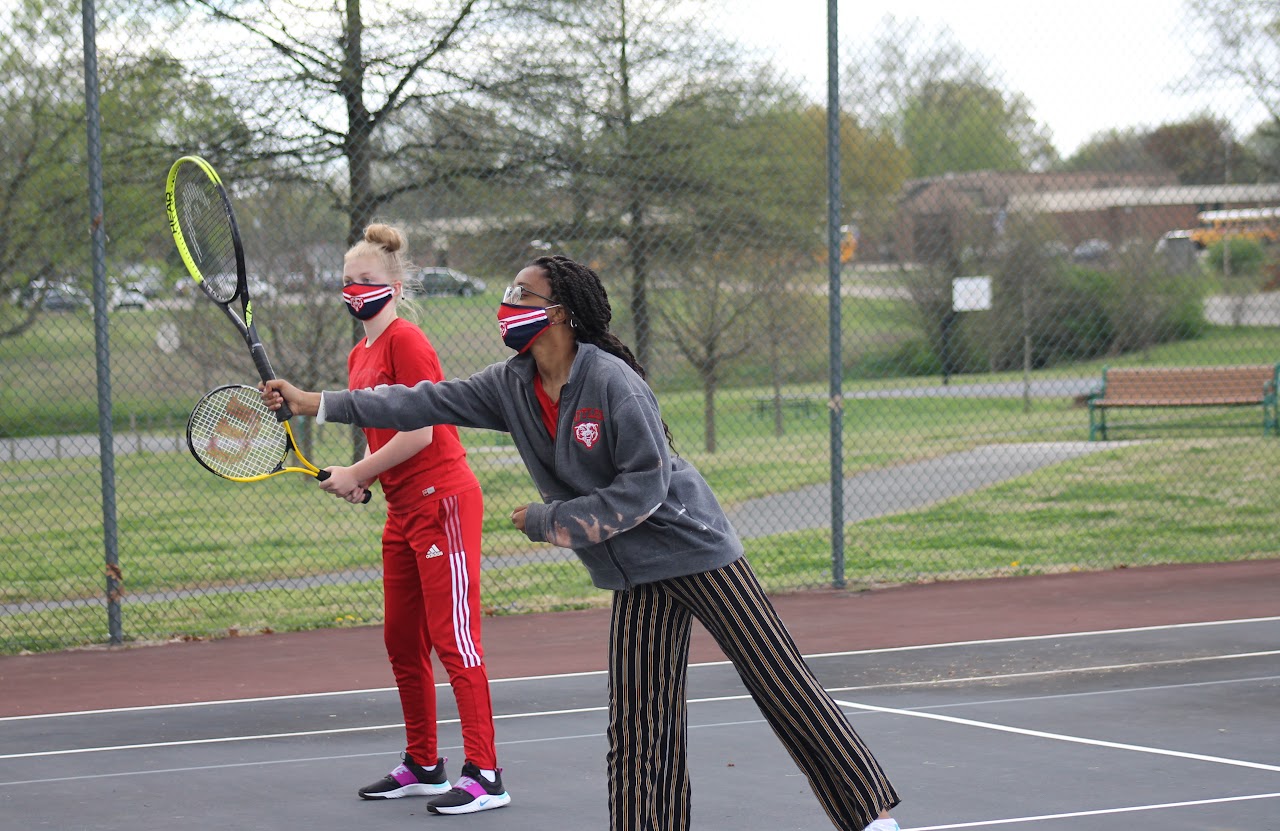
471, 786
403, 775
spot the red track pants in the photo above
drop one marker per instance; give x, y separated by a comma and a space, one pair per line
431, 580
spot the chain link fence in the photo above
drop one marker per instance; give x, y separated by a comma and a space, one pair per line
945, 401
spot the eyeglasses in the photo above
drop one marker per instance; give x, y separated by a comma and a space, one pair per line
514, 294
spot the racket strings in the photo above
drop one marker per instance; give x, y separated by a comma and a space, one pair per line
233, 434
206, 228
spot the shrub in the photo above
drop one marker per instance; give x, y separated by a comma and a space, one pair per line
1247, 256
1082, 313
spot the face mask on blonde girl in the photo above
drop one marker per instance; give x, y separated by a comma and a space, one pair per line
366, 289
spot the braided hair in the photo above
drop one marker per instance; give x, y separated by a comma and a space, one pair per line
578, 288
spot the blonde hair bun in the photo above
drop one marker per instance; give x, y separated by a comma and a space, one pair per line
386, 236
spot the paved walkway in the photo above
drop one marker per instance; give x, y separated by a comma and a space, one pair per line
890, 490
1243, 309
903, 487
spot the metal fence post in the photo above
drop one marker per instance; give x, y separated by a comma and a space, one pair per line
836, 411
102, 348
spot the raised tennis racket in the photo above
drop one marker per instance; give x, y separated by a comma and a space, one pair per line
204, 229
233, 434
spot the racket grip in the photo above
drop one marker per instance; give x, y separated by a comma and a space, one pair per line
266, 373
368, 494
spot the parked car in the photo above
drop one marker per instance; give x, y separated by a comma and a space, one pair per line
52, 296
128, 296
1056, 250
1179, 250
438, 281
151, 286
1091, 251
260, 288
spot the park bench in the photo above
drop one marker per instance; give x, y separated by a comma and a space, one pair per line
1198, 386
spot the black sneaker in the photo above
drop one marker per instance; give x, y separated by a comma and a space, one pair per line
471, 793
408, 779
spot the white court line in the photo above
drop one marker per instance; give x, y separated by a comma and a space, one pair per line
534, 714
600, 709
1095, 813
934, 682
1061, 737
1054, 696
333, 731
269, 698
268, 762
1063, 635
558, 676
948, 827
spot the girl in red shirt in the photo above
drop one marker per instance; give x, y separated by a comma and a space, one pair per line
430, 545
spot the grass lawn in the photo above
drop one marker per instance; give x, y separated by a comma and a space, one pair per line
1167, 500
184, 537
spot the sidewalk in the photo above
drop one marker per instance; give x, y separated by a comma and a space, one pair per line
905, 487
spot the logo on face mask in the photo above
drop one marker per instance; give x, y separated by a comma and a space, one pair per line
365, 300
521, 325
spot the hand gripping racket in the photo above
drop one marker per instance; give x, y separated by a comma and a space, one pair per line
204, 229
233, 434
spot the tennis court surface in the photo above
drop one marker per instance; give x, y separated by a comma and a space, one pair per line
1135, 699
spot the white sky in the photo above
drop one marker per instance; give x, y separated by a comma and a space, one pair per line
1085, 65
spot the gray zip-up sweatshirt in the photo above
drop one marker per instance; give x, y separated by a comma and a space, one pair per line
611, 491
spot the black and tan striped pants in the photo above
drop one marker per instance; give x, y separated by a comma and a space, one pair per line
648, 664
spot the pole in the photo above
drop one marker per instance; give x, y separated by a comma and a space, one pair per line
833, 297
102, 345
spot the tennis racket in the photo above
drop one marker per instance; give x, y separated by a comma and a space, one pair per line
204, 229
233, 434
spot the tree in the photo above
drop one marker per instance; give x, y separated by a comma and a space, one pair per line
1121, 151
149, 109
1244, 50
944, 105
37, 109
705, 322
942, 259
1244, 47
1264, 149
1201, 151
312, 337
1024, 268
955, 126
623, 71
762, 216
360, 97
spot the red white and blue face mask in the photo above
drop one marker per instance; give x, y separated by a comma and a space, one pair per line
365, 300
521, 325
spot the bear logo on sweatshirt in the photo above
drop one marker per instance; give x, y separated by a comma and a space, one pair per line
586, 426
